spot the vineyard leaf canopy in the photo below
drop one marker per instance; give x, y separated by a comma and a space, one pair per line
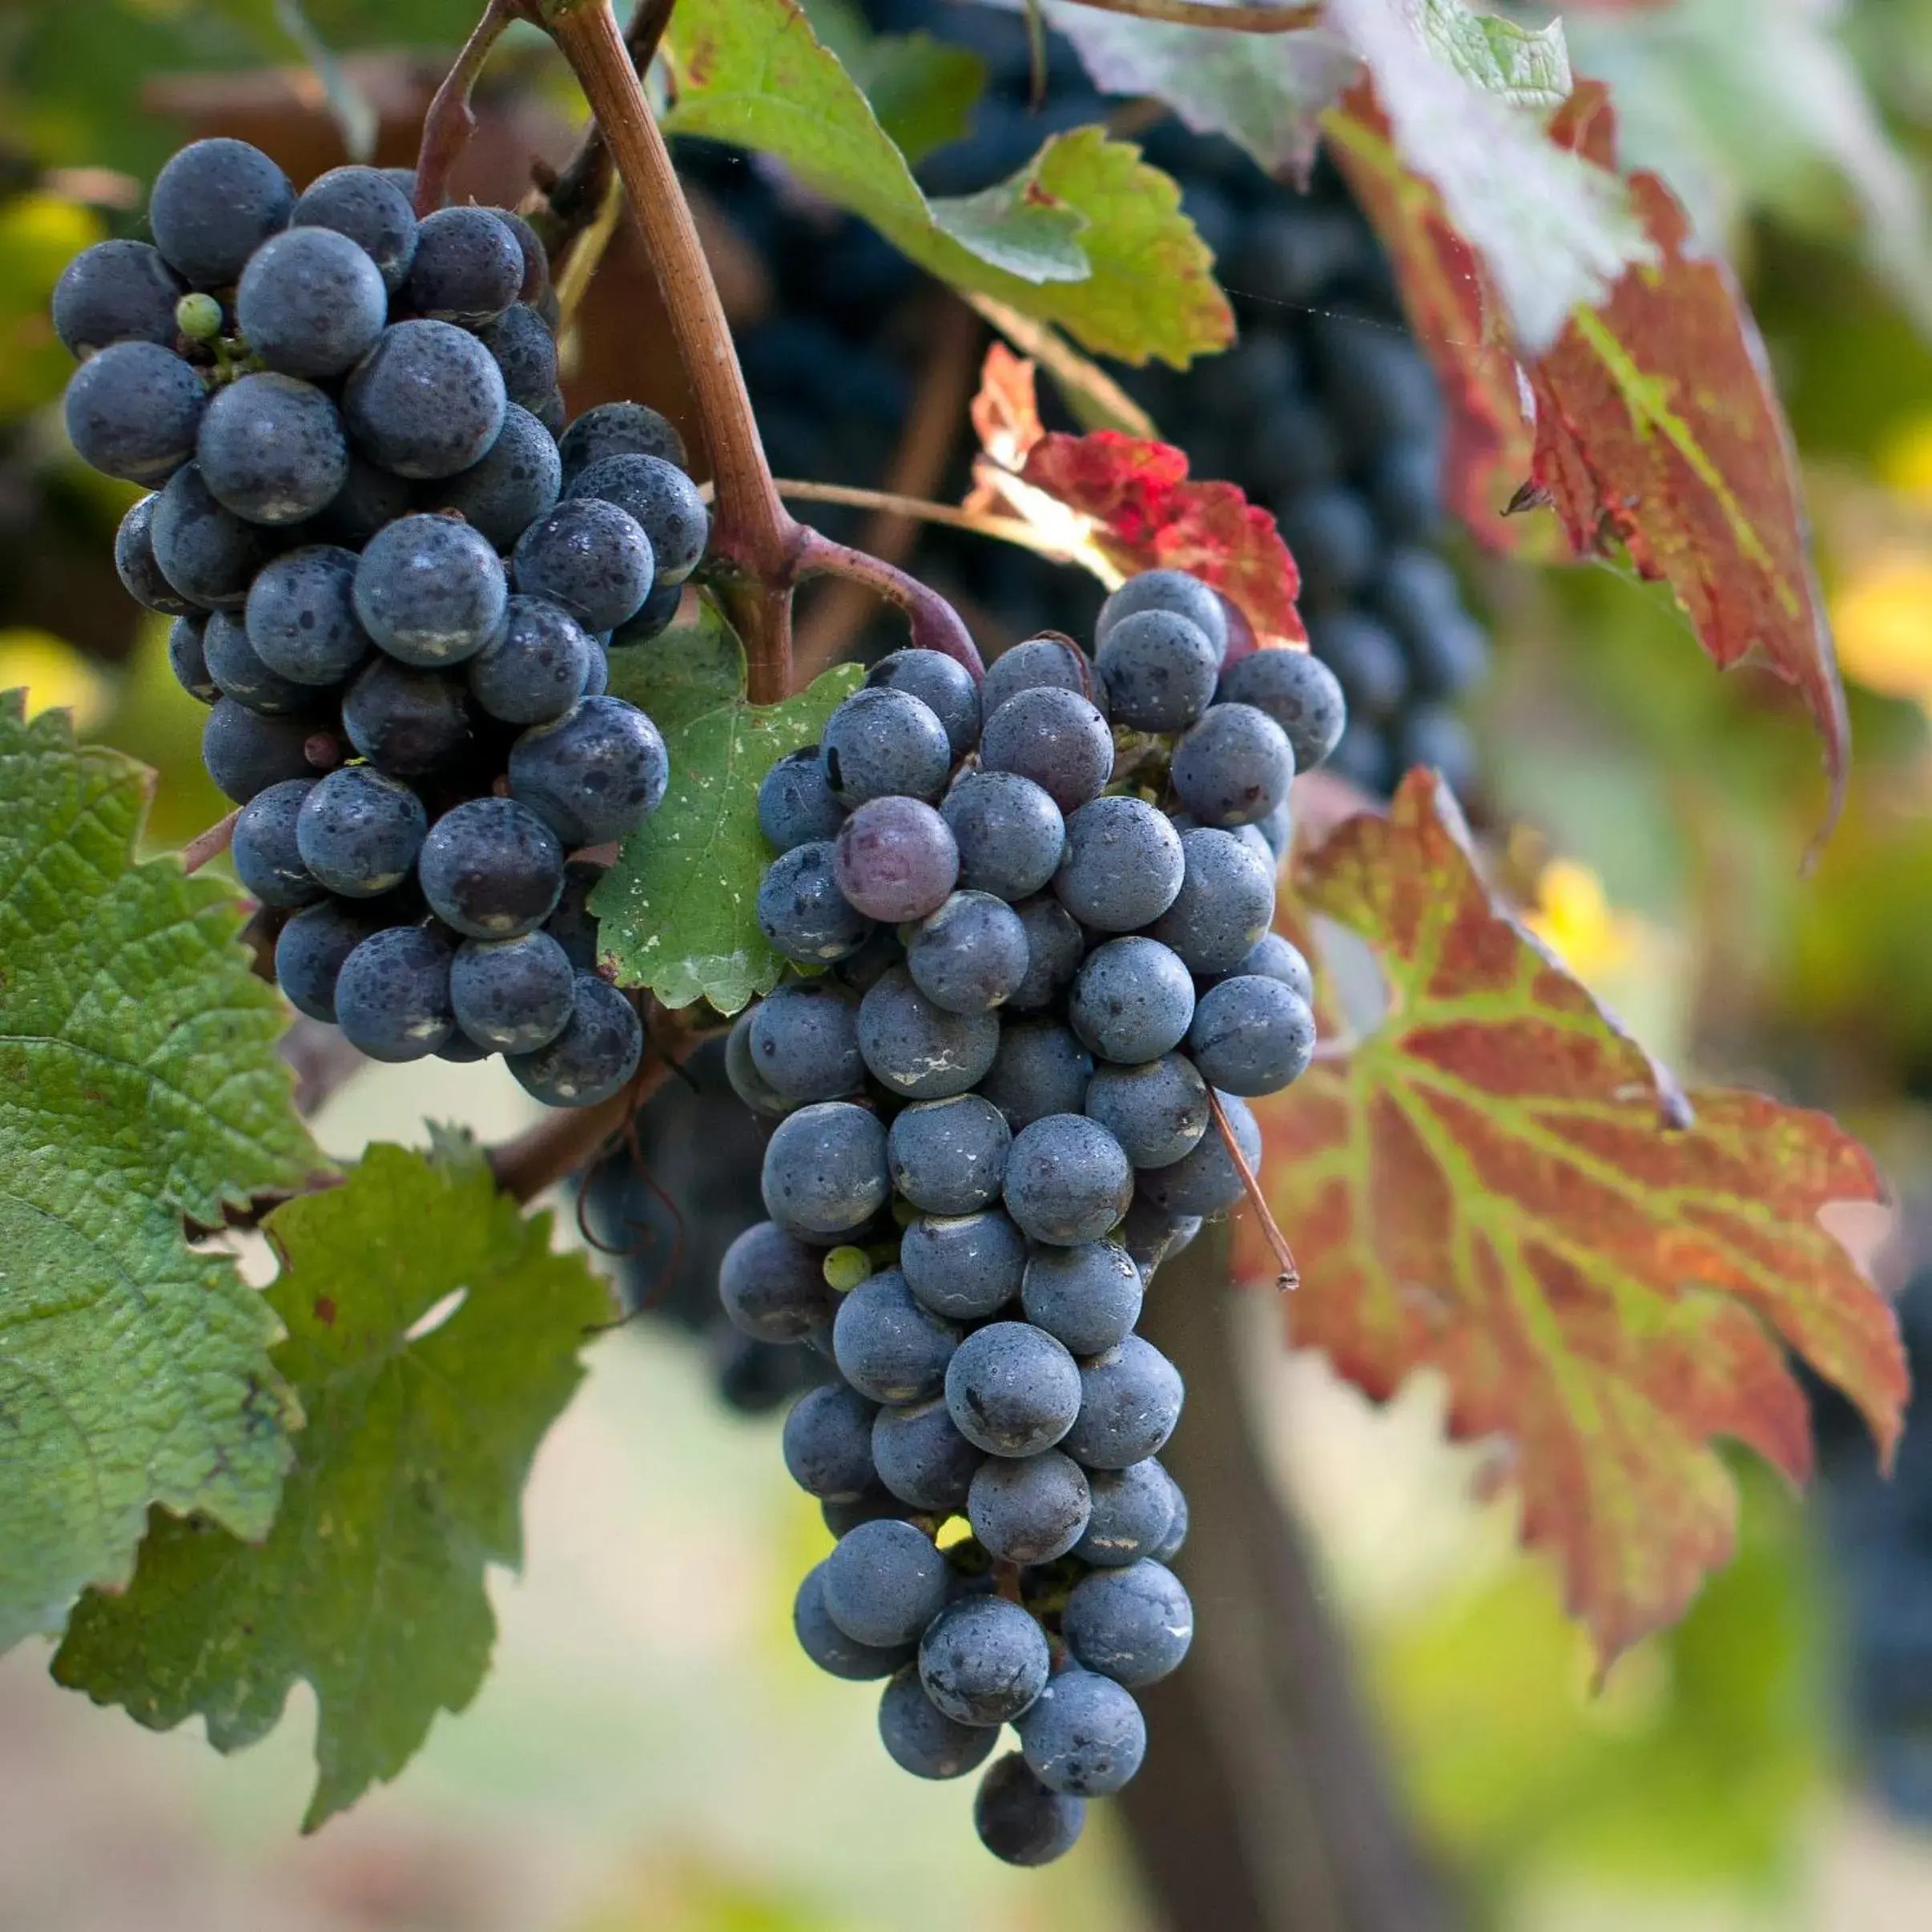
139, 1084
679, 911
1497, 1184
1085, 234
423, 1413
1125, 503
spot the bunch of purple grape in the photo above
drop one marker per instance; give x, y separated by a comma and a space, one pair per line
1032, 916
396, 583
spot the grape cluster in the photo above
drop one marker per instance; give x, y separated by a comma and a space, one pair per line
1032, 919
395, 582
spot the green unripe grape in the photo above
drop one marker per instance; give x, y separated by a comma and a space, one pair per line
845, 1268
198, 317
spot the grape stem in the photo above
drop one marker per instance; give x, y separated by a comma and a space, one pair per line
1290, 1276
210, 844
1209, 14
1007, 529
936, 625
450, 120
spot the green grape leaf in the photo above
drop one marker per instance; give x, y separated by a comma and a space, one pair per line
1528, 66
1086, 234
679, 911
139, 1084
434, 1338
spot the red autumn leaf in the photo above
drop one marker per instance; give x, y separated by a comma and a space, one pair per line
1657, 424
1128, 499
1455, 316
1497, 1184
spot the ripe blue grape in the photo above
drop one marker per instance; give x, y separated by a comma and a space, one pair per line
1152, 1234
1251, 1035
619, 428
359, 832
209, 554
801, 910
804, 1041
747, 1081
512, 996
1029, 1509
263, 848
1053, 663
1299, 692
1206, 1181
772, 1285
942, 684
426, 401
1055, 947
654, 617
1067, 1179
884, 743
188, 660
311, 302
1157, 1111
115, 292
1055, 738
589, 556
1132, 1000
1012, 1389
469, 266
983, 1660
134, 410
825, 1168
532, 670
970, 955
921, 1457
507, 490
272, 448
829, 1648
884, 1583
525, 352
535, 287
1021, 1822
1175, 591
1170, 1545
1275, 958
1133, 1514
1040, 1069
895, 858
239, 672
301, 615
919, 1049
1160, 670
572, 923
1086, 1297
594, 1055
660, 498
1010, 835
964, 1266
364, 204
888, 1345
310, 949
1129, 1402
246, 753
491, 869
595, 775
392, 994
920, 1738
134, 561
1234, 766
1226, 901
795, 803
1123, 865
827, 1443
406, 722
947, 1157
1133, 1624
213, 205
1084, 1737
430, 591
369, 497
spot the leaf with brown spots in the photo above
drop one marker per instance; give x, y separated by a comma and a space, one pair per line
1498, 1184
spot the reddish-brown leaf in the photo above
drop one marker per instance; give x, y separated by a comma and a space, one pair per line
1130, 500
1498, 1184
1657, 424
1457, 319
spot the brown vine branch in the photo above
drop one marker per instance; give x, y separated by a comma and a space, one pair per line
936, 625
1006, 529
1290, 1276
450, 120
1207, 13
210, 844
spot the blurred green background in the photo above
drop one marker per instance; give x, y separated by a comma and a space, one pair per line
651, 1751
